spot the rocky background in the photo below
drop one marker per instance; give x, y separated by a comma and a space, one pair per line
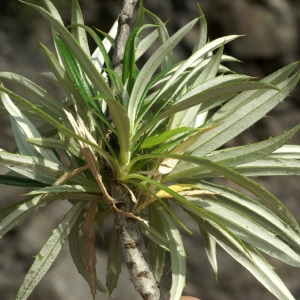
272, 29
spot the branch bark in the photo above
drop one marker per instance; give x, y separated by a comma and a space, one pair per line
133, 246
123, 33
132, 242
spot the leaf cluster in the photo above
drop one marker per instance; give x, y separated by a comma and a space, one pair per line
159, 130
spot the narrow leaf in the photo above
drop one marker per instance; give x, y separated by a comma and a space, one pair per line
178, 256
49, 252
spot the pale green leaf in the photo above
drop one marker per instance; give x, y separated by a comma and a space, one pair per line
242, 99
243, 117
36, 92
250, 231
211, 90
23, 146
145, 44
154, 236
251, 260
177, 253
20, 212
287, 151
77, 32
26, 126
114, 262
33, 167
270, 167
49, 252
254, 210
234, 156
58, 125
149, 68
210, 249
163, 37
202, 33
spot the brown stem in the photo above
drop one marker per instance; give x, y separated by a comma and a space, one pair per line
123, 33
132, 242
133, 246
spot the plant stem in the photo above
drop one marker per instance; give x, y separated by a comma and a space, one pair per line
123, 33
132, 242
133, 246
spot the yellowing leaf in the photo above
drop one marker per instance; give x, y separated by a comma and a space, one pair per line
184, 190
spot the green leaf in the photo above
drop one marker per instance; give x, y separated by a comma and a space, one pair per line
163, 37
75, 71
117, 112
22, 210
210, 249
77, 32
19, 181
156, 253
149, 68
65, 188
211, 90
250, 231
165, 136
235, 156
154, 236
26, 126
243, 117
114, 262
253, 261
65, 82
36, 92
178, 256
49, 252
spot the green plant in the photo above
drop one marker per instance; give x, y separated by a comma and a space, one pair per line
129, 139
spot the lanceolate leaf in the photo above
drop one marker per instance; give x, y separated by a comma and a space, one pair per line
242, 118
254, 210
49, 252
178, 256
79, 33
246, 183
114, 262
210, 249
213, 93
22, 211
117, 112
77, 253
35, 91
26, 126
19, 181
270, 167
251, 232
235, 156
254, 262
149, 68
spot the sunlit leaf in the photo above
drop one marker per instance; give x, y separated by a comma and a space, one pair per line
49, 252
